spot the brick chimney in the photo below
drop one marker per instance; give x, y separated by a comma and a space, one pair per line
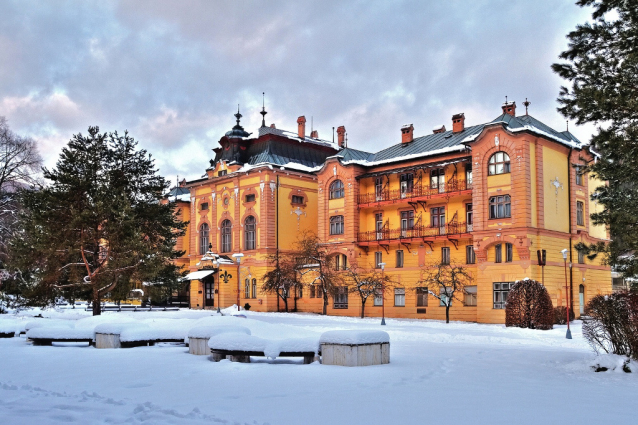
407, 133
509, 108
438, 130
341, 135
301, 127
272, 125
458, 123
314, 134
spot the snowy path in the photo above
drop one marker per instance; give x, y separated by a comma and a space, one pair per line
444, 374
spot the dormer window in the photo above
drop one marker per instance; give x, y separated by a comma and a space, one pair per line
499, 164
222, 173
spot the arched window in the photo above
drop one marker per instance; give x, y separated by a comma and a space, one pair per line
336, 189
227, 242
254, 288
499, 164
336, 225
247, 288
249, 233
500, 206
203, 238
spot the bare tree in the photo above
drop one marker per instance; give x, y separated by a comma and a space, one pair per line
366, 283
316, 266
449, 280
20, 166
282, 279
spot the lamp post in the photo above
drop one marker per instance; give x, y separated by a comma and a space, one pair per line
238, 258
569, 332
382, 293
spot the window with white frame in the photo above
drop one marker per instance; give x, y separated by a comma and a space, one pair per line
470, 295
336, 189
499, 164
336, 225
399, 297
501, 290
378, 220
247, 288
378, 297
254, 288
378, 259
407, 184
437, 179
500, 206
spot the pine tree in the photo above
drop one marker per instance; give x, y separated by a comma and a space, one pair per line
602, 67
99, 225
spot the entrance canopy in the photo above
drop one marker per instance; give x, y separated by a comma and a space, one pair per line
198, 275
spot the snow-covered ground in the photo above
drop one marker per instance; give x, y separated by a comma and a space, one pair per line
458, 373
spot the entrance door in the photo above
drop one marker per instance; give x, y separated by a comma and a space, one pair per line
209, 291
581, 299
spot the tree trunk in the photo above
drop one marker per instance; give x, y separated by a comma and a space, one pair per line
325, 304
286, 304
447, 314
363, 308
97, 307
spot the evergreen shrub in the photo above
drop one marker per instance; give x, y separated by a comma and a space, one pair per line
529, 306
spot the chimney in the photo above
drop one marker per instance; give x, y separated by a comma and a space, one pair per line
458, 123
314, 134
509, 108
301, 123
272, 125
407, 133
440, 129
341, 134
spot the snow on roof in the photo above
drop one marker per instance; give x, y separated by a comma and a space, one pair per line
295, 136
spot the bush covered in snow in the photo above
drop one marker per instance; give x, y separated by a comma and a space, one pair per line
560, 315
613, 324
529, 306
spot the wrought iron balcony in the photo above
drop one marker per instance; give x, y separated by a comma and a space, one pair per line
417, 232
417, 191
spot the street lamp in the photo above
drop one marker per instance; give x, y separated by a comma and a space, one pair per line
238, 258
569, 332
382, 294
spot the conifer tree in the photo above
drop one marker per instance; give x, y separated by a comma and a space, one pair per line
602, 68
99, 224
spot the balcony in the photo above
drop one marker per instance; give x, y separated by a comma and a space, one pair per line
417, 232
418, 192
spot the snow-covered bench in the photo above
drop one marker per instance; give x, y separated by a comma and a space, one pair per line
199, 336
7, 328
239, 347
107, 335
47, 335
355, 348
138, 336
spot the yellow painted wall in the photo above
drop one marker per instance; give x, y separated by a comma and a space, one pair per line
556, 203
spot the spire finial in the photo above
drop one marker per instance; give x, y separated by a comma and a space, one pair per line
567, 125
526, 103
263, 109
506, 99
238, 115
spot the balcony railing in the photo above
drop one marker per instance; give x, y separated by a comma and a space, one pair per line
418, 191
415, 232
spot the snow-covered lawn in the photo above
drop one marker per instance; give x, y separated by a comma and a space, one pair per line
458, 373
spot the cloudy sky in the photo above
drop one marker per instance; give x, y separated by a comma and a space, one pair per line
173, 72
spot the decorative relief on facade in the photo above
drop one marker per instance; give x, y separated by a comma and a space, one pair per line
261, 187
236, 195
557, 185
299, 213
496, 140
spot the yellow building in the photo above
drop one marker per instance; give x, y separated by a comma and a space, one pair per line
487, 196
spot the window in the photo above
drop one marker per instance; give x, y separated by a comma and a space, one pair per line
254, 288
501, 289
470, 255
299, 292
579, 175
399, 297
297, 199
470, 295
378, 188
407, 184
437, 218
203, 238
500, 206
407, 222
437, 179
580, 213
445, 295
399, 258
222, 173
312, 291
341, 262
336, 225
378, 217
499, 164
509, 252
469, 217
445, 255
227, 242
422, 297
468, 176
247, 288
249, 232
336, 189
378, 259
341, 297
498, 253
250, 198
204, 206
378, 297
581, 257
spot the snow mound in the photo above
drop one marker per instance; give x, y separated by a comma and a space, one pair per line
38, 323
93, 321
354, 337
59, 332
139, 333
270, 348
117, 327
9, 326
210, 331
612, 362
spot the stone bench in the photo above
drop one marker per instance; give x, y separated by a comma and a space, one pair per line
244, 356
199, 336
7, 334
355, 348
48, 335
240, 347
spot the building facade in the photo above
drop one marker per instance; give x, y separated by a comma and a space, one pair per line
486, 197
